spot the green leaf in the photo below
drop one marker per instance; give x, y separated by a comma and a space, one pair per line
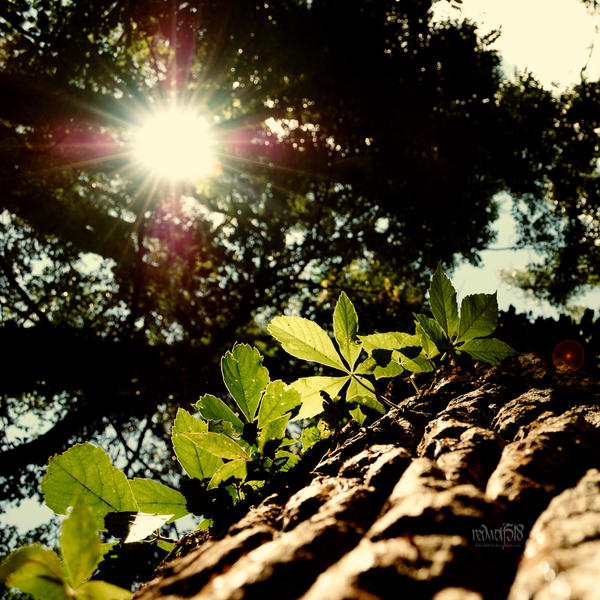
286, 460
442, 299
345, 326
234, 468
154, 497
85, 471
217, 444
36, 571
273, 430
310, 391
195, 462
278, 399
489, 350
166, 546
81, 547
358, 415
393, 369
214, 409
101, 590
432, 330
478, 316
304, 339
383, 341
418, 364
429, 348
367, 401
356, 389
245, 377
310, 436
366, 367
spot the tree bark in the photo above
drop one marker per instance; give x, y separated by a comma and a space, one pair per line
485, 488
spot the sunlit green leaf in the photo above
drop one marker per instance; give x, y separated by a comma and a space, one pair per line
134, 526
310, 436
273, 430
304, 339
214, 409
383, 341
285, 460
478, 316
359, 386
155, 497
80, 544
432, 330
418, 364
310, 390
491, 350
366, 367
369, 402
234, 468
245, 377
195, 462
218, 444
345, 326
393, 369
278, 399
85, 471
101, 590
166, 546
442, 299
358, 415
36, 571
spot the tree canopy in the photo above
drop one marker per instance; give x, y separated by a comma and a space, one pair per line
359, 145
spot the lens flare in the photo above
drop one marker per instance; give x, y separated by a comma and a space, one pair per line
568, 356
176, 144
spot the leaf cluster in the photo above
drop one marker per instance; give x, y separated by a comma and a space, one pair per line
44, 575
234, 446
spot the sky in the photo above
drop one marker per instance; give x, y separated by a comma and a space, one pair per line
553, 40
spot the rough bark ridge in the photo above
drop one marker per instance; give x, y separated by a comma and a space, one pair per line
486, 488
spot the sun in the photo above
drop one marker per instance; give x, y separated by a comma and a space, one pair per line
176, 144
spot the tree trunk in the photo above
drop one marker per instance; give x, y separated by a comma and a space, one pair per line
486, 488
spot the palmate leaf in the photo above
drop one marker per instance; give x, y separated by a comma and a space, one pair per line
345, 326
195, 462
442, 299
304, 339
310, 390
278, 399
85, 471
489, 350
81, 547
478, 316
217, 444
245, 377
155, 497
